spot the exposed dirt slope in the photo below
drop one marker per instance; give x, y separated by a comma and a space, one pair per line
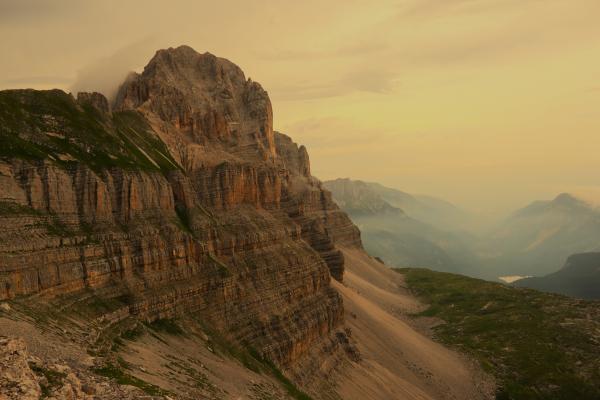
399, 360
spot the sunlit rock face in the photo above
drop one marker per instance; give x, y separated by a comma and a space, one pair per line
179, 195
206, 98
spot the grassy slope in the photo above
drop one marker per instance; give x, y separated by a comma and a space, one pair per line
537, 345
50, 126
39, 125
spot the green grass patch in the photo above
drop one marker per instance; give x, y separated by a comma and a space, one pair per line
200, 379
117, 374
133, 334
54, 379
50, 125
225, 347
537, 345
222, 268
56, 227
252, 360
8, 208
289, 386
98, 305
167, 325
183, 219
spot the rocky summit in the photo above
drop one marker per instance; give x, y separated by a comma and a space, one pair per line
149, 241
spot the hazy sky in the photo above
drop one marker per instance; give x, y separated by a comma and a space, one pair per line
487, 103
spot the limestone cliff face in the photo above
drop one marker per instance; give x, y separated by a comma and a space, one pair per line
206, 99
182, 198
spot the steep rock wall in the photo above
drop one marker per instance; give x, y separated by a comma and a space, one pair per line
211, 213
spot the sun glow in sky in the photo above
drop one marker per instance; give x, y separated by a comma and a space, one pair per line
487, 103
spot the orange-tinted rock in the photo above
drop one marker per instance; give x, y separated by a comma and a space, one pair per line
242, 235
206, 98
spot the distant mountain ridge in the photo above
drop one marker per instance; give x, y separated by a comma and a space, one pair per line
432, 210
537, 239
392, 228
580, 277
562, 202
358, 197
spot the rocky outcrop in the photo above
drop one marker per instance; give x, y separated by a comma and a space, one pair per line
207, 100
294, 158
24, 376
17, 381
181, 200
95, 99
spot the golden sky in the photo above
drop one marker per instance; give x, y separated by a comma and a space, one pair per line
487, 103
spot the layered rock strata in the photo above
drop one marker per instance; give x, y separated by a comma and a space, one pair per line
179, 197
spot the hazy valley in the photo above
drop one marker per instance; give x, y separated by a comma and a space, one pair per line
172, 229
421, 231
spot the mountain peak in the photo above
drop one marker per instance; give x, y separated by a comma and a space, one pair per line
357, 197
203, 97
561, 203
566, 199
570, 201
177, 59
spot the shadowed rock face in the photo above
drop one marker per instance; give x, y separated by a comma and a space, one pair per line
182, 198
94, 99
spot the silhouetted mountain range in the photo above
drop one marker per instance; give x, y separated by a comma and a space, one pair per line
580, 277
